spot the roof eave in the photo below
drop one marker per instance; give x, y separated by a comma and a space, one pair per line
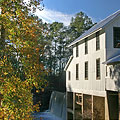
69, 61
83, 37
113, 60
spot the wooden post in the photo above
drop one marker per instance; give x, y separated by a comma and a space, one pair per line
73, 106
82, 106
92, 106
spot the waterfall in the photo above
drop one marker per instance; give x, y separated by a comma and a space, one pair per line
57, 107
57, 104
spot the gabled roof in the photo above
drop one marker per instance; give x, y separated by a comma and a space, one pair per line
96, 27
70, 59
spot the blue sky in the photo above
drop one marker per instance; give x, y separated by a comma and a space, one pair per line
63, 10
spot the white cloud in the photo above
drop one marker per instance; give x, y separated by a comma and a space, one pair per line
50, 16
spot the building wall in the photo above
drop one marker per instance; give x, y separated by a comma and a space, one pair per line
110, 50
90, 86
100, 90
113, 79
88, 107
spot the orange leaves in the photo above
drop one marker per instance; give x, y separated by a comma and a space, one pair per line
21, 67
1, 114
36, 107
1, 79
37, 49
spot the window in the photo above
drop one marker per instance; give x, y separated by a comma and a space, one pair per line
69, 75
77, 71
106, 71
86, 45
86, 70
77, 51
98, 68
78, 98
116, 32
97, 41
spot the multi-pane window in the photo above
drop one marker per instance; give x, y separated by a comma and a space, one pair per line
86, 45
77, 50
69, 75
98, 68
116, 32
77, 71
97, 41
86, 70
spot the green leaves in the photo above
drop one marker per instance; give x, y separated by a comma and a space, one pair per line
20, 68
80, 23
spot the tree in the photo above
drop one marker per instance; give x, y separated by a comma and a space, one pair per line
79, 24
58, 37
20, 65
55, 47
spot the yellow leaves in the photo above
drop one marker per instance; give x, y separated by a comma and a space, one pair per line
1, 114
37, 91
23, 32
28, 56
14, 89
1, 79
5, 73
36, 107
10, 37
1, 63
19, 98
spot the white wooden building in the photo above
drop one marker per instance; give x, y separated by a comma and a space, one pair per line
93, 72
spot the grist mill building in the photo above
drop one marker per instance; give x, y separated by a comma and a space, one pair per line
93, 72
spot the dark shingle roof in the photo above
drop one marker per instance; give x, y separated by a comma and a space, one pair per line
96, 27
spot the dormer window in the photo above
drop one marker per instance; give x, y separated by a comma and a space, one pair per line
77, 50
116, 34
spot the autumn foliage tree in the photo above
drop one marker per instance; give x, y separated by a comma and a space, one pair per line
20, 65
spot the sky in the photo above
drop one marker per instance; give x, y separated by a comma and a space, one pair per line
64, 10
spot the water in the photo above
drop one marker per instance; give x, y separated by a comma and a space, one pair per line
57, 108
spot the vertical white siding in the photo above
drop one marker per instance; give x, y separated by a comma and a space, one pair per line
110, 50
91, 84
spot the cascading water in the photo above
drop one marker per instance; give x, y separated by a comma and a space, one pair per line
57, 107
